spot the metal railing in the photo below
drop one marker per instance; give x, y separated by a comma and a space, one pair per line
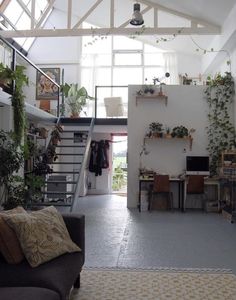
15, 53
83, 164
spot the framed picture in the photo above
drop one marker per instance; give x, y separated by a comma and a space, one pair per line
45, 89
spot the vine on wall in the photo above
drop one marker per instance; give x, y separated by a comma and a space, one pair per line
221, 131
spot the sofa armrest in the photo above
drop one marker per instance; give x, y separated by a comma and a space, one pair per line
75, 224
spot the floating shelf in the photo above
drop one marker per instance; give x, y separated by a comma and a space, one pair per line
152, 96
187, 138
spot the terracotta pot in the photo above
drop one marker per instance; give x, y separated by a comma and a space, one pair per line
75, 115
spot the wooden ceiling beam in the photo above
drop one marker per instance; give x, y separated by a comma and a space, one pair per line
109, 31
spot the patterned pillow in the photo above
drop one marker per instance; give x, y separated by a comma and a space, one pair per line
9, 245
42, 235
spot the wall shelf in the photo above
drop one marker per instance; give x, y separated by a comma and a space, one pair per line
187, 138
152, 96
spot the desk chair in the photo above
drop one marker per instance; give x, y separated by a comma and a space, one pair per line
195, 186
161, 185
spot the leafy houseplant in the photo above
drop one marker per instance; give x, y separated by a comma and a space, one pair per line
5, 76
19, 79
34, 184
11, 159
221, 132
156, 129
179, 131
16, 193
56, 134
76, 98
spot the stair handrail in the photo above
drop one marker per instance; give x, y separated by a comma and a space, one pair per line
16, 51
83, 164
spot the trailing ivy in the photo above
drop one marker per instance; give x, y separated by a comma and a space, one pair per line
221, 131
19, 79
18, 102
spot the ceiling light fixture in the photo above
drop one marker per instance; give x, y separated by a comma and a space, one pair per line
137, 18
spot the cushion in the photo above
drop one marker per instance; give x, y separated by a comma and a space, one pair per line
42, 235
9, 245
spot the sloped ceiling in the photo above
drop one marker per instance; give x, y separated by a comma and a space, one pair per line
212, 11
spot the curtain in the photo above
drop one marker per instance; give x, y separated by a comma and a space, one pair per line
171, 66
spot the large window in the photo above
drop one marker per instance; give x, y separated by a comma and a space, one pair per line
119, 61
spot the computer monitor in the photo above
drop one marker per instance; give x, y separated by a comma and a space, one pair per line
197, 165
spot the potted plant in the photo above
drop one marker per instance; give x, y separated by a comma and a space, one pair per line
7, 76
76, 98
167, 133
16, 193
50, 154
56, 134
34, 184
11, 159
179, 132
156, 129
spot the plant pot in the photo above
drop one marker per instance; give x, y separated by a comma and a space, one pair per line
75, 115
43, 132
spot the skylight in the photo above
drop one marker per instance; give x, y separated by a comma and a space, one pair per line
18, 12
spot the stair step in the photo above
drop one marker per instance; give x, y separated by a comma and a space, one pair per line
70, 138
76, 131
49, 203
60, 181
57, 193
65, 163
70, 146
71, 154
64, 172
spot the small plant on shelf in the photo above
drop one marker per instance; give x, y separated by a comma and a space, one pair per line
179, 132
156, 129
167, 132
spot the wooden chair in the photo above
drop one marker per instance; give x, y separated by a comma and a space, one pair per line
161, 185
195, 186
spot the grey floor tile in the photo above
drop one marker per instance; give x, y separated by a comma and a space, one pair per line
118, 237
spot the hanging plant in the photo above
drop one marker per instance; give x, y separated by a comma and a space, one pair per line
221, 132
19, 79
18, 102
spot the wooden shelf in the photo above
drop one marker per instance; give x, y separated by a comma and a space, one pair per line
152, 96
187, 138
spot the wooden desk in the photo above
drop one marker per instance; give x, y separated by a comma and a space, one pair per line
181, 189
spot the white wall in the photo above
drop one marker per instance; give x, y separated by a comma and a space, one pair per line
190, 64
62, 52
187, 107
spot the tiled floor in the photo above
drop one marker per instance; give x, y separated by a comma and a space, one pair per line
118, 237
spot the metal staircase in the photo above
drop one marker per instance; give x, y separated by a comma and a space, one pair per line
63, 186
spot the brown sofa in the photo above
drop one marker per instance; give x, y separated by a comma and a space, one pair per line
52, 280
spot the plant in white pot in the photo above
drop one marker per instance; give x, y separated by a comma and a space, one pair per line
76, 98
